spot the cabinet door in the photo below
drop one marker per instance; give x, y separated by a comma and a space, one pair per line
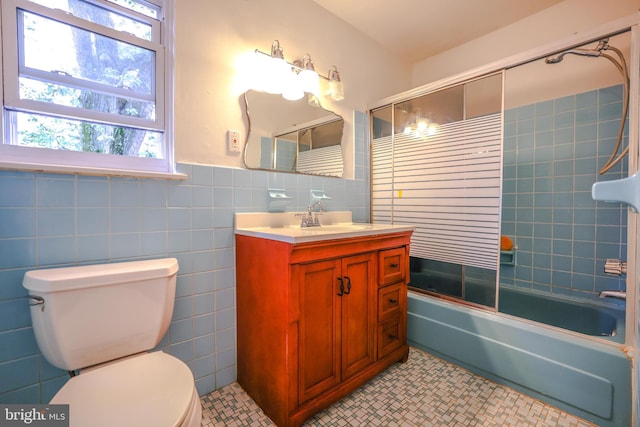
358, 313
318, 340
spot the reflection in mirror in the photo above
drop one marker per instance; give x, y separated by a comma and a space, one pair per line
292, 136
422, 116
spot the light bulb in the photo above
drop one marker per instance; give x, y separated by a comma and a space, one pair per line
310, 81
293, 90
257, 72
277, 73
336, 88
422, 124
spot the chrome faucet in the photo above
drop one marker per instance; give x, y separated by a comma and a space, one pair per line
311, 220
312, 206
613, 294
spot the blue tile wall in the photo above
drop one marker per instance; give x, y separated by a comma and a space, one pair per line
51, 220
287, 154
553, 151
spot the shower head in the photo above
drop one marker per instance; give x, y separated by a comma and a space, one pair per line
601, 51
581, 52
597, 51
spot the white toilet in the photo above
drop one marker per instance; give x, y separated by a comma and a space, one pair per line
103, 320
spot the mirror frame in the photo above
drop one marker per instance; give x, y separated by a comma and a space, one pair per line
246, 111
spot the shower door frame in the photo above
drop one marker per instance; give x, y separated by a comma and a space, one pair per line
630, 23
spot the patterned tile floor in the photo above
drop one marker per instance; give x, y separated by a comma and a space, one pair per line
425, 391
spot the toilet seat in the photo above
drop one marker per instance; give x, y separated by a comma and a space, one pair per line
153, 389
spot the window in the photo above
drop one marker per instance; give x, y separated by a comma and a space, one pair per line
86, 85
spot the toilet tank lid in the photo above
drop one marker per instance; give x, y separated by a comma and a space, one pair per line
67, 278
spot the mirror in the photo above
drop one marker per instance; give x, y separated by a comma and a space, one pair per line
292, 136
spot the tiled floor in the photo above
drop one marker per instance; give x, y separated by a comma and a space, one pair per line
425, 391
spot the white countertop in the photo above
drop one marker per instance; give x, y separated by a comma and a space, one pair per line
285, 227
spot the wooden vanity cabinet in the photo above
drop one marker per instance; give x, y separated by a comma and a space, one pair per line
317, 320
336, 332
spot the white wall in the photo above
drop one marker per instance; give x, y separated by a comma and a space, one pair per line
555, 23
211, 34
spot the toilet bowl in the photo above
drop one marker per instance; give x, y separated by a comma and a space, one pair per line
153, 389
103, 320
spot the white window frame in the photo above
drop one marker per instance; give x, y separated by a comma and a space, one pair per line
32, 158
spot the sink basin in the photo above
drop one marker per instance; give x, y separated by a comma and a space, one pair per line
336, 228
286, 227
350, 227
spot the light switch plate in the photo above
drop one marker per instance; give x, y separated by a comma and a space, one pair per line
233, 141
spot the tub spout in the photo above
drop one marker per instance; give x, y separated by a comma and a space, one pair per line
613, 294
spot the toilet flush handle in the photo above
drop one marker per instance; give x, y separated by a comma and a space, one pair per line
36, 300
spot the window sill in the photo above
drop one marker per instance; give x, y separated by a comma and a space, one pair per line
62, 169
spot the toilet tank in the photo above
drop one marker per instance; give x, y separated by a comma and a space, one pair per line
86, 315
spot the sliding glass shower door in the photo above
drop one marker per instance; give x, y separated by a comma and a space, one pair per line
436, 164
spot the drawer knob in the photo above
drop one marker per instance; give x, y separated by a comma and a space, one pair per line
394, 265
393, 301
393, 337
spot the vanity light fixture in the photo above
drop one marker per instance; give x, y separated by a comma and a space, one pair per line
336, 87
294, 87
292, 80
303, 79
276, 50
276, 71
308, 76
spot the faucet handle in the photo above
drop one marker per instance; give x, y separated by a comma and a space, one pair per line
615, 266
304, 219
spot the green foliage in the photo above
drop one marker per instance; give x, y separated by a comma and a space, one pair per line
102, 60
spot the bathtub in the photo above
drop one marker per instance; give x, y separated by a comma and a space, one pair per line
579, 374
581, 317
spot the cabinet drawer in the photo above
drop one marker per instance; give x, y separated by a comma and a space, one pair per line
392, 266
389, 302
390, 337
